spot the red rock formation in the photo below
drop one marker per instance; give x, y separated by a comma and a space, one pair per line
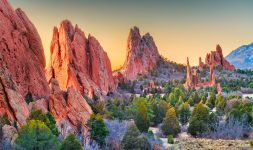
216, 58
21, 51
12, 104
142, 55
39, 104
193, 79
201, 63
188, 82
79, 61
69, 109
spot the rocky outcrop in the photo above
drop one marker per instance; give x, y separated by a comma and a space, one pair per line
79, 61
193, 79
9, 136
70, 110
21, 51
201, 63
142, 55
216, 58
12, 104
39, 104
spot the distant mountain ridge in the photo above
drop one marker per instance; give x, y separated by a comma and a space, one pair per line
242, 57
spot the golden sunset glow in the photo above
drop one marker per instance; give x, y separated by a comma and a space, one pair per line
178, 31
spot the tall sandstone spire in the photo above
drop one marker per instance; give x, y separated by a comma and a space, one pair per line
21, 51
79, 61
22, 63
142, 54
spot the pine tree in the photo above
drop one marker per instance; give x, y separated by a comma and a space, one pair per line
184, 113
36, 135
133, 140
199, 121
141, 120
170, 123
97, 129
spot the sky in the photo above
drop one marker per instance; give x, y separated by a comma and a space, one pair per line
180, 28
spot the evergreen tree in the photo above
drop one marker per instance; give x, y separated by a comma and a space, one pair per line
48, 119
141, 119
184, 113
97, 129
36, 135
170, 123
71, 143
133, 140
220, 104
199, 121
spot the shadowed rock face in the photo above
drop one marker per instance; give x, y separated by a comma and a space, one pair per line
12, 104
21, 51
216, 58
79, 61
142, 54
69, 109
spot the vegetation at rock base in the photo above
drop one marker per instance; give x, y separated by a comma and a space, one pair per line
47, 118
71, 143
97, 129
36, 135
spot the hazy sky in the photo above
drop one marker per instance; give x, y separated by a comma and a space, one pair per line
180, 28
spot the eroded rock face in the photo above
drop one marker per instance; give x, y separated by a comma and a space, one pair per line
142, 55
21, 51
12, 104
216, 58
79, 61
70, 110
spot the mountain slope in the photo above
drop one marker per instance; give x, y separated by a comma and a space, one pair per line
242, 57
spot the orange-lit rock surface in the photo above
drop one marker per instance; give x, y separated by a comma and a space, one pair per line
142, 54
216, 58
21, 51
69, 109
79, 61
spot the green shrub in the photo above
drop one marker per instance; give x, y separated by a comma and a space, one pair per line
197, 126
48, 119
170, 139
133, 140
36, 135
199, 121
184, 113
97, 129
71, 143
141, 119
251, 143
170, 123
